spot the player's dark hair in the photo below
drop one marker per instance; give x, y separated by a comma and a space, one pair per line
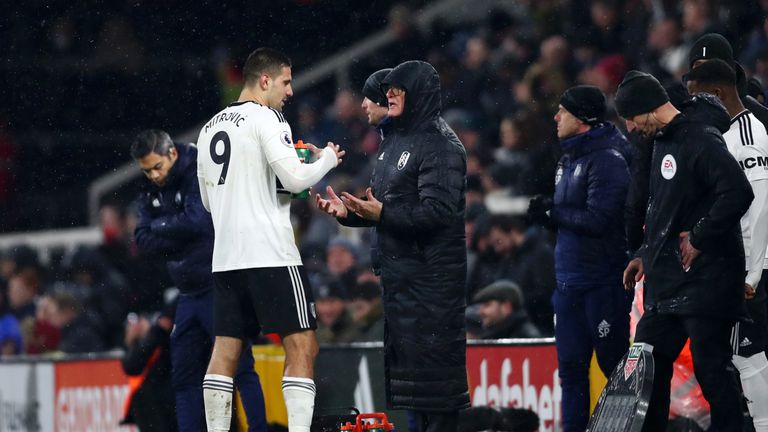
264, 61
712, 72
151, 141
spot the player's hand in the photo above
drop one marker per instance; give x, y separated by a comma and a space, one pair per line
338, 151
313, 148
749, 291
333, 205
369, 209
633, 273
687, 251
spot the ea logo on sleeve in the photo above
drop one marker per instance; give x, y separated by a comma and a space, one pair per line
668, 167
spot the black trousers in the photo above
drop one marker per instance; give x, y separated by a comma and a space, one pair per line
437, 422
711, 352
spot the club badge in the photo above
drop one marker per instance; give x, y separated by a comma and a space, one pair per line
403, 160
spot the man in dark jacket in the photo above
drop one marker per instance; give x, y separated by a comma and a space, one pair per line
502, 312
416, 203
591, 306
174, 226
692, 255
147, 362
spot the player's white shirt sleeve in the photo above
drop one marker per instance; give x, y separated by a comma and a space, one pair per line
296, 176
281, 155
747, 140
758, 227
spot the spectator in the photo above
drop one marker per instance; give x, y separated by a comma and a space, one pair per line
144, 276
341, 260
334, 321
367, 309
45, 336
77, 334
345, 121
513, 153
23, 288
16, 259
10, 333
100, 290
605, 30
502, 312
526, 259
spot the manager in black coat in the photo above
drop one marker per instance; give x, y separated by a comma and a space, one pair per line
416, 202
692, 253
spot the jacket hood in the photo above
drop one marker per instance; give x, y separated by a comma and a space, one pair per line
707, 109
422, 93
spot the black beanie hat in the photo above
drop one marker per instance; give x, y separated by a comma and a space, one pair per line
711, 46
372, 87
586, 103
639, 93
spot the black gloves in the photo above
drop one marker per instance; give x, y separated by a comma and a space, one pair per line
538, 208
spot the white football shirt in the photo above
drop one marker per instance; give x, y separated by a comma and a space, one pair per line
249, 207
747, 141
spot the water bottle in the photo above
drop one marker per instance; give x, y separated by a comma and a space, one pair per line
304, 156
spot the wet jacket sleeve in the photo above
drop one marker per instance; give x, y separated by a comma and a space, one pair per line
731, 191
191, 221
137, 356
353, 220
637, 196
440, 186
607, 184
148, 241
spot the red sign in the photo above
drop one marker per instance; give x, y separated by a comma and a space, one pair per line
520, 376
89, 396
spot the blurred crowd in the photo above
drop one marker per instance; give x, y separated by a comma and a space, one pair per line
501, 81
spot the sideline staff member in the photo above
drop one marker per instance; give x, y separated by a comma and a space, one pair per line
174, 225
416, 203
591, 306
692, 254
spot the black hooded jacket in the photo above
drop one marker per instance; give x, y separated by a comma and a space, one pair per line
420, 179
696, 186
706, 109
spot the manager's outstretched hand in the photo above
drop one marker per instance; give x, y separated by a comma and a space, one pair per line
333, 205
370, 208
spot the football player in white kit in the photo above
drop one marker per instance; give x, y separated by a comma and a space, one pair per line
747, 141
247, 169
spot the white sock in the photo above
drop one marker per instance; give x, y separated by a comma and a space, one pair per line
299, 395
753, 372
217, 397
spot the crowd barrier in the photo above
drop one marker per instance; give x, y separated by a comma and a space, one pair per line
82, 394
